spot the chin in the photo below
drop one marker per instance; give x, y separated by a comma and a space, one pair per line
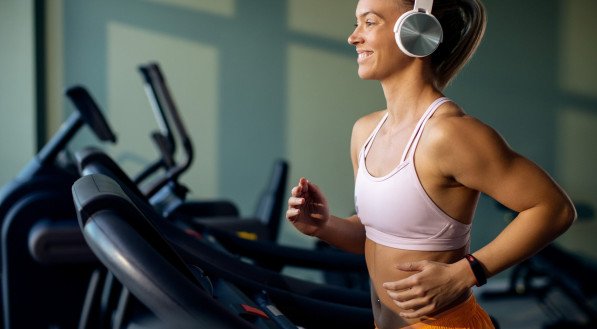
365, 75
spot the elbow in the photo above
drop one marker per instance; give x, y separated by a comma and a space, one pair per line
566, 215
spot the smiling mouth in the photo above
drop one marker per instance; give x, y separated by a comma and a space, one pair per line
364, 55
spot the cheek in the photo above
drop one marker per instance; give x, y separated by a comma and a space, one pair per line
387, 45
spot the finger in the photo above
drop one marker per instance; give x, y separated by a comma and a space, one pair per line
399, 285
296, 191
316, 217
408, 295
292, 213
296, 202
413, 304
304, 184
397, 296
405, 295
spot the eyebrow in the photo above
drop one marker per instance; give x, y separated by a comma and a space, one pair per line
367, 13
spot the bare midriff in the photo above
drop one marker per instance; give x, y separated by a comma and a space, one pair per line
381, 263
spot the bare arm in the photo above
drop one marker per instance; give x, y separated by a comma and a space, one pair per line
308, 210
481, 160
345, 233
475, 156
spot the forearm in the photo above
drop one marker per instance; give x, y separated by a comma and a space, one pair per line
345, 233
527, 234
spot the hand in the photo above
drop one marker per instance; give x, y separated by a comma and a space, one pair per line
433, 287
307, 208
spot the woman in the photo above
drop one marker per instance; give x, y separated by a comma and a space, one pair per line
419, 168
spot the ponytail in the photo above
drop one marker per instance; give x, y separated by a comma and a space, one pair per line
463, 23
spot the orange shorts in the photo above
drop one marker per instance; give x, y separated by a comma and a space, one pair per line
468, 315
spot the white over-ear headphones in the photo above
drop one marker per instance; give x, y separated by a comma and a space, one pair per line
418, 33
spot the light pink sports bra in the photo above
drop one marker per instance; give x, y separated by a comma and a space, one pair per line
396, 210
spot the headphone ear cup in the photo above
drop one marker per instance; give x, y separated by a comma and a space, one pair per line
418, 34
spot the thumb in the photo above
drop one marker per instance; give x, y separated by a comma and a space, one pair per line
411, 266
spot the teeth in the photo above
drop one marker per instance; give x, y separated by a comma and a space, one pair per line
364, 55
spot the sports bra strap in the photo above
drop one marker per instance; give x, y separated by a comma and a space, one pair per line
415, 136
368, 143
411, 146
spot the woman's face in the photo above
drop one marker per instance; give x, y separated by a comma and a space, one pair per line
373, 37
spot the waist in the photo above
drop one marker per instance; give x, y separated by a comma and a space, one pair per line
456, 316
381, 263
382, 260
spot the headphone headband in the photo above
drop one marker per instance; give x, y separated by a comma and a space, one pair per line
425, 5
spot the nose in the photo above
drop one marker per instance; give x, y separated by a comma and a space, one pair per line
355, 37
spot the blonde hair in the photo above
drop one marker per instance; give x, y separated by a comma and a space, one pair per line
463, 23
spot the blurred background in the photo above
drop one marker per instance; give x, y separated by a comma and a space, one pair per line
260, 80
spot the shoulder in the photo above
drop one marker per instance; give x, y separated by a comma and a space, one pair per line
451, 124
361, 130
365, 125
455, 138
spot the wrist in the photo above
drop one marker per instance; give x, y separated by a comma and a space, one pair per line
465, 273
476, 269
320, 231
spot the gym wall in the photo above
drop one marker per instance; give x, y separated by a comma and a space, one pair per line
254, 80
17, 87
257, 80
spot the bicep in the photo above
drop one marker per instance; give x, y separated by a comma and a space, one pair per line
513, 181
484, 162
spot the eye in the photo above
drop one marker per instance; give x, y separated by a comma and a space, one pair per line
369, 22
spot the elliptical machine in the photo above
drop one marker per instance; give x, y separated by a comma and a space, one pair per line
43, 279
